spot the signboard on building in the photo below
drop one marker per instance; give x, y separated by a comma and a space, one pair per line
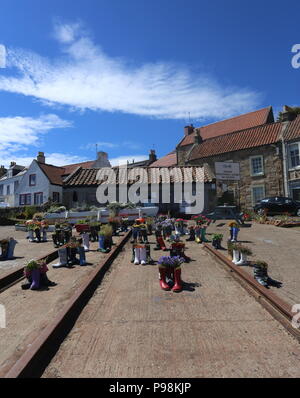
227, 171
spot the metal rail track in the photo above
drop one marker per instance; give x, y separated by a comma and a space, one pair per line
36, 358
277, 307
13, 277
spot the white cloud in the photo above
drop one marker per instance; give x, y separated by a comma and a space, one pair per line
122, 160
17, 133
87, 78
57, 159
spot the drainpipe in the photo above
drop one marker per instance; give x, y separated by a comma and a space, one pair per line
284, 160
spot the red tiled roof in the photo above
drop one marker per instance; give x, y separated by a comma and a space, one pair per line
166, 161
154, 175
71, 167
249, 138
241, 122
293, 130
53, 173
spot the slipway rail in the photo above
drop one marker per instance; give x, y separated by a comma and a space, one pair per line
277, 307
13, 277
36, 358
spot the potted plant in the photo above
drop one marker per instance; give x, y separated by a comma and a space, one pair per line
72, 249
216, 240
245, 251
170, 267
105, 238
82, 226
260, 269
35, 271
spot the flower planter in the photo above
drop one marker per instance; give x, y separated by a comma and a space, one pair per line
80, 228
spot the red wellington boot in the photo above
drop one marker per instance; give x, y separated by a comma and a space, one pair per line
177, 280
162, 279
161, 243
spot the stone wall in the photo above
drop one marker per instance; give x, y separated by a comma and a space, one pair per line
272, 179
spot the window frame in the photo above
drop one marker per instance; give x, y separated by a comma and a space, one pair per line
262, 173
252, 194
289, 156
30, 184
34, 198
57, 193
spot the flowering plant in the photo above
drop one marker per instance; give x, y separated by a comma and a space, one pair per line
201, 219
233, 224
168, 261
35, 264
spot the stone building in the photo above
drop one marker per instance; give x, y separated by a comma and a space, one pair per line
267, 153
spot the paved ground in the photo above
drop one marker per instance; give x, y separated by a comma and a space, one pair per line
214, 328
24, 250
28, 312
279, 247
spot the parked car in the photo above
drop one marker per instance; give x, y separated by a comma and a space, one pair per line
277, 205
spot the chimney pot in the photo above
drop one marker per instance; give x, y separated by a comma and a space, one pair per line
41, 157
152, 156
188, 130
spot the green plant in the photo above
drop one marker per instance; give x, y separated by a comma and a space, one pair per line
245, 250
29, 211
35, 264
261, 264
217, 236
106, 230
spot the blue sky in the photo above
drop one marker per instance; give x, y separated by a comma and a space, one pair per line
126, 74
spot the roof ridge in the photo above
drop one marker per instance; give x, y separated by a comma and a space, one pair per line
239, 131
234, 117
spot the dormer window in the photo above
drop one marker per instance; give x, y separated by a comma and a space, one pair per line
32, 180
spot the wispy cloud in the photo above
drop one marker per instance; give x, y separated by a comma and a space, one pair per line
111, 145
87, 78
18, 133
122, 160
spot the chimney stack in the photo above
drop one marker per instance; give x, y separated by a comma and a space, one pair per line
12, 164
2, 171
287, 114
188, 130
197, 138
102, 160
152, 156
41, 157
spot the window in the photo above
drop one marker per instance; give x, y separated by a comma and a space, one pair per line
258, 193
56, 197
1, 189
8, 190
22, 200
32, 180
257, 165
16, 185
25, 199
38, 198
294, 157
